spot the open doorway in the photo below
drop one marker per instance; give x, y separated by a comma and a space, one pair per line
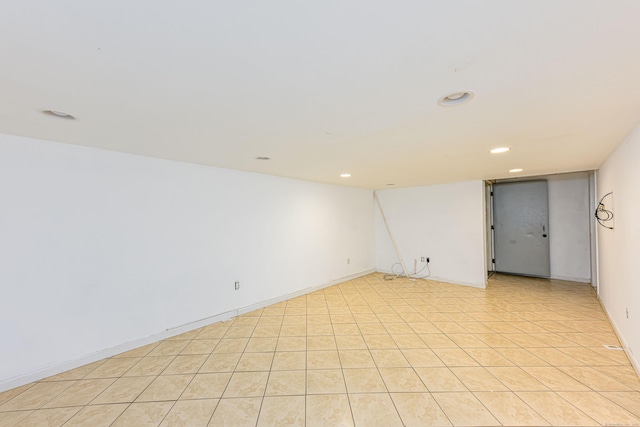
569, 226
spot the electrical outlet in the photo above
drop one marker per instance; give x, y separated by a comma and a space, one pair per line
237, 285
627, 312
421, 259
348, 260
427, 260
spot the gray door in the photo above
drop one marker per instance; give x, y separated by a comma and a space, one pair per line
521, 228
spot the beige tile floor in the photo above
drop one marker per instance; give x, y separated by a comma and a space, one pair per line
368, 352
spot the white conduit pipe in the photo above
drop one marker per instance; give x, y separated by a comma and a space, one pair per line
393, 241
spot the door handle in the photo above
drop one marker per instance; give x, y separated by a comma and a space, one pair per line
544, 234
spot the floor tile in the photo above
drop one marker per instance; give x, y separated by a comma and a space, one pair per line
168, 348
556, 410
255, 362
593, 379
321, 342
629, 400
521, 357
402, 380
47, 417
328, 410
356, 359
37, 396
323, 360
247, 384
231, 345
526, 351
440, 380
289, 360
478, 379
325, 381
80, 393
190, 413
5, 396
282, 411
319, 329
166, 387
77, 373
510, 410
97, 415
200, 346
291, 344
374, 410
517, 379
600, 408
113, 368
222, 362
389, 359
346, 329
454, 357
379, 342
143, 414
464, 409
123, 390
625, 375
422, 358
236, 412
187, 364
286, 383
555, 379
261, 345
11, 419
207, 386
488, 357
150, 365
419, 410
363, 381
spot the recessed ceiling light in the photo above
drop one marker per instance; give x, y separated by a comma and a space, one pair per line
515, 170
345, 175
500, 150
263, 158
456, 98
60, 114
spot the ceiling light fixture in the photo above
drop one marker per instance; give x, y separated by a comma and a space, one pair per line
345, 175
263, 158
60, 114
455, 99
515, 170
500, 150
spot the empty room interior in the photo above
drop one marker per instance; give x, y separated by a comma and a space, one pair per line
320, 213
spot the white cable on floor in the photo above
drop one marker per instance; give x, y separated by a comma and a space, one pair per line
393, 241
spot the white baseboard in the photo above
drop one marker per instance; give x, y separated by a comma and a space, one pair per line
632, 358
445, 280
58, 368
304, 291
571, 279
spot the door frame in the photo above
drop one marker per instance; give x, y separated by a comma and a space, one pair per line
593, 235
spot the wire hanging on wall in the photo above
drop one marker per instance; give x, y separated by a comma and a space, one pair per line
602, 213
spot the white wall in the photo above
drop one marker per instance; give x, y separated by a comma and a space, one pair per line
100, 248
569, 234
619, 249
444, 222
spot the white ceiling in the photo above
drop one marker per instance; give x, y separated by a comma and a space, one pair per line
329, 86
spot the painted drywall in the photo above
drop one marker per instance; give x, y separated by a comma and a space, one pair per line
444, 222
569, 234
618, 249
100, 248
